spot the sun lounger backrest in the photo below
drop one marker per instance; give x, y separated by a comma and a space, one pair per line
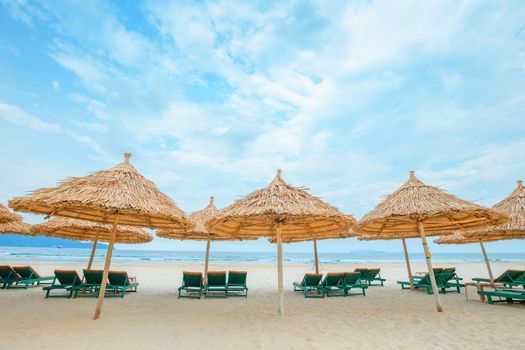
118, 278
372, 273
363, 271
237, 277
311, 279
192, 279
67, 277
351, 277
332, 279
216, 278
26, 272
93, 276
509, 276
8, 272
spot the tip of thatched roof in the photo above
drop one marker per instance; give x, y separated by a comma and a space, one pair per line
102, 195
82, 230
439, 211
299, 213
199, 218
514, 207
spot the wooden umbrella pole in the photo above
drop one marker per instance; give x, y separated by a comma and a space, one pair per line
92, 253
280, 268
487, 262
428, 258
408, 264
206, 260
102, 291
316, 257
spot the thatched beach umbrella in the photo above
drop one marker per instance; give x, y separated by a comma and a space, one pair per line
7, 216
16, 228
199, 232
82, 230
119, 195
317, 237
279, 211
416, 209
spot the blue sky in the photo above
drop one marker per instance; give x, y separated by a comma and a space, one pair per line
212, 97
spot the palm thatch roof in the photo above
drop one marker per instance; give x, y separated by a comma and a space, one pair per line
7, 216
82, 230
300, 214
513, 206
15, 227
398, 215
104, 194
456, 237
199, 232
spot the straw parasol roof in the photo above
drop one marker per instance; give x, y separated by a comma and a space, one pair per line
301, 214
104, 194
398, 215
8, 216
15, 227
82, 230
199, 232
513, 206
456, 237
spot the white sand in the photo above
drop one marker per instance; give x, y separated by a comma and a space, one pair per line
387, 318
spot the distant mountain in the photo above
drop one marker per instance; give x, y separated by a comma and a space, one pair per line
40, 241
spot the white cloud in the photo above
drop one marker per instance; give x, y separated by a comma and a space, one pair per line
15, 115
56, 85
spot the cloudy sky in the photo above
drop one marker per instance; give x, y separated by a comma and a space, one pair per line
211, 98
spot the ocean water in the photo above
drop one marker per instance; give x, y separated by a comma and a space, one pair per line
13, 254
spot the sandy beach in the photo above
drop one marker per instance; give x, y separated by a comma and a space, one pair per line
386, 318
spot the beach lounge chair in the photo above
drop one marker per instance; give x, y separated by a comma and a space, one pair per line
369, 276
310, 285
236, 286
120, 283
90, 286
510, 278
29, 277
216, 285
420, 282
333, 285
64, 280
504, 295
191, 285
352, 280
8, 275
447, 279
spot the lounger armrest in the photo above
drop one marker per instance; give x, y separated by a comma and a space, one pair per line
481, 279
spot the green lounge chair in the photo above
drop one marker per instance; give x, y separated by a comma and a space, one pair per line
448, 278
8, 275
29, 277
420, 282
236, 286
216, 285
90, 286
310, 285
120, 283
504, 295
191, 285
510, 278
333, 285
369, 276
352, 280
64, 279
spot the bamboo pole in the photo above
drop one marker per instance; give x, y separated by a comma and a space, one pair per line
487, 262
280, 268
92, 253
316, 257
409, 270
102, 291
206, 260
428, 258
